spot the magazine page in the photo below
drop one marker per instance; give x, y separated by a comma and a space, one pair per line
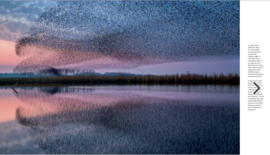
134, 77
254, 71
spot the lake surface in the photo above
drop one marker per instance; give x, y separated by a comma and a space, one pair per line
120, 119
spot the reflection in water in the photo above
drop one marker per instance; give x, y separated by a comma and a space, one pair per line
100, 120
14, 139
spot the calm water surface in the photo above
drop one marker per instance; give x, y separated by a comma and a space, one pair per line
120, 119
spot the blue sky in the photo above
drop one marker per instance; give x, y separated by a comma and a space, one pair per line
16, 17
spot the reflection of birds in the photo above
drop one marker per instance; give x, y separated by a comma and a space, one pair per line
129, 125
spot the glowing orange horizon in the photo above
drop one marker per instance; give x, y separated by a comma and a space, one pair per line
7, 53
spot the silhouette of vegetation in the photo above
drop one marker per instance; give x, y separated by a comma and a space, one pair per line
216, 79
51, 70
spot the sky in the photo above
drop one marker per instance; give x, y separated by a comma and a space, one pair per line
134, 37
16, 18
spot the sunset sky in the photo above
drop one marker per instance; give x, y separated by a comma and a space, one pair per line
17, 17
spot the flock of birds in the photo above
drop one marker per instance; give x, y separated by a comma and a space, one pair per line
127, 34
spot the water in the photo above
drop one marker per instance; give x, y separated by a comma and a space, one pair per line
120, 119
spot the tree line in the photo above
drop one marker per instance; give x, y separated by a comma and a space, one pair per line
176, 79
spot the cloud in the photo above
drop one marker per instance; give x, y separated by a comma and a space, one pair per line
10, 18
13, 28
16, 17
